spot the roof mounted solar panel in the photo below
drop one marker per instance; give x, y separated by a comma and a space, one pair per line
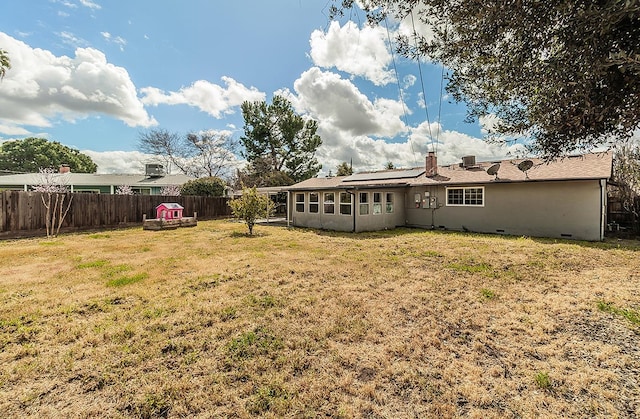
386, 175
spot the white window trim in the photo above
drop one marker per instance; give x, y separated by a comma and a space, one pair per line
317, 203
380, 203
464, 189
361, 204
325, 202
392, 202
349, 204
303, 202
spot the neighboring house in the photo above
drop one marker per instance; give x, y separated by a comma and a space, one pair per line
144, 184
566, 198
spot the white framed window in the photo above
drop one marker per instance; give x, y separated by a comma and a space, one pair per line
377, 203
314, 199
345, 203
465, 197
364, 203
299, 202
329, 200
389, 201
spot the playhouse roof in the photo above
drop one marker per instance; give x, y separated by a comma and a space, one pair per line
170, 205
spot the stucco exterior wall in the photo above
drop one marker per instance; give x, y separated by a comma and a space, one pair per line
567, 209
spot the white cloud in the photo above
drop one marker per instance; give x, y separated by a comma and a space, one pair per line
127, 162
360, 52
90, 4
355, 129
70, 39
118, 40
336, 102
41, 86
208, 97
408, 81
407, 26
370, 154
488, 123
66, 3
10, 129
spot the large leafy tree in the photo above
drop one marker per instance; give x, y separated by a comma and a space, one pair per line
565, 74
33, 154
5, 63
274, 134
204, 153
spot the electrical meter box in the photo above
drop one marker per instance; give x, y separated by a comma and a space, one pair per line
426, 202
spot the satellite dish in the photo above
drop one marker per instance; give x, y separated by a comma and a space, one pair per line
525, 165
493, 170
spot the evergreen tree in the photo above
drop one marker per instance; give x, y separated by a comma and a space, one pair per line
278, 137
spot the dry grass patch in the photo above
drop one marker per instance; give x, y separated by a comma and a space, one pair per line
207, 322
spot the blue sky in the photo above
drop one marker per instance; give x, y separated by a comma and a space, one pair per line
93, 74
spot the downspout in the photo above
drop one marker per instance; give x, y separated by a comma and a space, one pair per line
353, 208
603, 219
288, 208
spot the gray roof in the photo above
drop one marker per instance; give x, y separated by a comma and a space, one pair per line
587, 166
93, 179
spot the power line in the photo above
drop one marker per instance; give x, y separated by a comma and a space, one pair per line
395, 69
424, 95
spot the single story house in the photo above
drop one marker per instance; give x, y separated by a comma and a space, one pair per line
149, 183
566, 198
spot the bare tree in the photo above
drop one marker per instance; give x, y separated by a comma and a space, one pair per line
166, 145
214, 153
204, 153
54, 190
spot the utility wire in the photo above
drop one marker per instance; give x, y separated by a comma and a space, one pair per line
395, 69
424, 95
440, 109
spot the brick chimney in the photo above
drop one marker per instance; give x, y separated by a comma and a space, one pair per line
65, 168
432, 164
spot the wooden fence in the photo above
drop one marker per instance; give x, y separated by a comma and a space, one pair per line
22, 214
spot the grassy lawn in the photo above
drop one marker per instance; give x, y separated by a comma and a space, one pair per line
206, 322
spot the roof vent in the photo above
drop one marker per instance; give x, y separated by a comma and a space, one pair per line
153, 170
468, 161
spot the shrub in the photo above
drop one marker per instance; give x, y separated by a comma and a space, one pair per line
251, 206
207, 186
